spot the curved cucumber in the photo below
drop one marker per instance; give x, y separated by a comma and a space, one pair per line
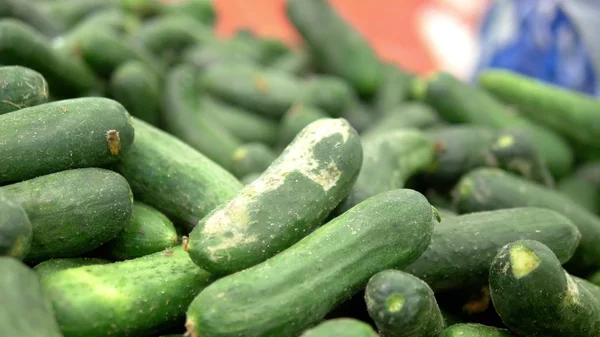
528, 284
72, 212
61, 135
389, 230
294, 120
462, 247
15, 229
129, 298
474, 330
289, 200
413, 115
346, 327
21, 87
252, 158
402, 305
52, 266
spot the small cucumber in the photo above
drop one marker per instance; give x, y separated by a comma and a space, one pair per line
581, 191
52, 266
347, 327
402, 305
296, 119
129, 298
412, 115
20, 88
528, 284
32, 15
289, 200
252, 158
15, 229
389, 230
328, 93
474, 330
395, 85
295, 63
169, 175
80, 132
210, 53
201, 10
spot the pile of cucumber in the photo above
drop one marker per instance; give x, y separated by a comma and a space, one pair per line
158, 180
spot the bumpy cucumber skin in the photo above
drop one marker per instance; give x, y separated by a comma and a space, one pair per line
174, 178
336, 46
474, 330
402, 305
328, 93
489, 189
462, 247
25, 311
21, 87
295, 119
15, 229
395, 85
252, 158
52, 266
413, 115
347, 327
32, 15
137, 88
56, 136
581, 191
290, 199
129, 298
389, 230
147, 232
528, 284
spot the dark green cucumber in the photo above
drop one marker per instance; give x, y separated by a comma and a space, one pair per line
489, 189
394, 89
129, 298
113, 19
330, 94
182, 119
147, 232
457, 102
71, 12
581, 191
22, 45
347, 327
72, 212
296, 63
56, 136
32, 15
528, 284
271, 49
389, 230
15, 229
174, 178
52, 266
462, 247
474, 330
21, 87
389, 160
336, 47
296, 119
359, 114
25, 311
405, 115
402, 305
252, 158
289, 200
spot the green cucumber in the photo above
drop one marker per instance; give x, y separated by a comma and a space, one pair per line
201, 10
329, 93
147, 232
56, 136
25, 311
113, 19
590, 172
528, 284
405, 115
252, 158
402, 305
210, 53
72, 212
52, 266
474, 330
271, 49
21, 87
336, 47
137, 88
129, 298
71, 12
359, 114
489, 189
462, 247
32, 15
581, 191
347, 327
296, 119
395, 85
15, 229
295, 63
389, 160
171, 176
457, 102
289, 200
389, 230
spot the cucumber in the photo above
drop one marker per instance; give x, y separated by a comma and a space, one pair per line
289, 200
130, 298
52, 266
489, 189
56, 136
137, 88
252, 158
71, 12
394, 88
15, 229
336, 47
402, 305
32, 15
447, 265
457, 102
21, 87
249, 178
169, 175
347, 327
329, 93
25, 311
389, 160
360, 116
474, 330
405, 115
201, 10
148, 231
296, 119
389, 230
210, 53
271, 49
528, 284
295, 63
581, 191
114, 19
22, 45
72, 212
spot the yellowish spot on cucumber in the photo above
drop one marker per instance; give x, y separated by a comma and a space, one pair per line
185, 243
44, 92
523, 261
394, 302
64, 109
418, 89
96, 285
18, 248
504, 141
114, 142
436, 214
190, 329
572, 293
239, 154
261, 84
465, 188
